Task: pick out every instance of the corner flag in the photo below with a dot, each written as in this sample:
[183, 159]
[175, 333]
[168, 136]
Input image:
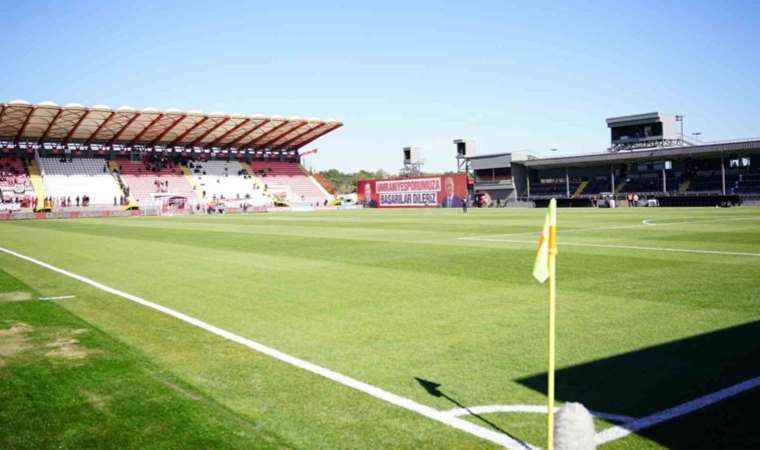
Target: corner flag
[547, 243]
[545, 268]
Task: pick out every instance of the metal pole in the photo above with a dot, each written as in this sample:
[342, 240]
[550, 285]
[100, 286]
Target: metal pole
[612, 180]
[722, 173]
[567, 183]
[552, 326]
[527, 185]
[664, 181]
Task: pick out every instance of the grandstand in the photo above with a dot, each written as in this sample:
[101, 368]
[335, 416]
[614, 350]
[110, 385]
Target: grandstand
[115, 156]
[79, 178]
[15, 184]
[226, 180]
[146, 182]
[670, 170]
[290, 177]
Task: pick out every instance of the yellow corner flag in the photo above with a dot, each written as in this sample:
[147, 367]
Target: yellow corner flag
[547, 243]
[546, 267]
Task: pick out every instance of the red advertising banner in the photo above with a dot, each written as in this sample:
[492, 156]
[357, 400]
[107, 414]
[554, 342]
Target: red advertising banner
[447, 191]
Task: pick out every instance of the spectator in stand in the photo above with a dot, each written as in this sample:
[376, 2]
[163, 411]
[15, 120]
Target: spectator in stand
[77, 200]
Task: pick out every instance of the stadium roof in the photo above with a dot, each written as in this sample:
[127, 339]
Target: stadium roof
[708, 150]
[73, 123]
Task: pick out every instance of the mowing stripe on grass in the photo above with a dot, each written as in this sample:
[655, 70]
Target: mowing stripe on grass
[616, 246]
[374, 391]
[620, 431]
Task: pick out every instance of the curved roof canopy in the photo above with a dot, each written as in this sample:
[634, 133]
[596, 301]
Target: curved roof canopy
[73, 123]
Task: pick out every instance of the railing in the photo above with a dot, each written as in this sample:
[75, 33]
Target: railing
[325, 183]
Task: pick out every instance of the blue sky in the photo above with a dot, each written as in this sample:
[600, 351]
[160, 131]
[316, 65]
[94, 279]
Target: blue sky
[510, 75]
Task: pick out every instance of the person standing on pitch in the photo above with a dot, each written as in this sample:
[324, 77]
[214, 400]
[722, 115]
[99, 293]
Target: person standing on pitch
[464, 203]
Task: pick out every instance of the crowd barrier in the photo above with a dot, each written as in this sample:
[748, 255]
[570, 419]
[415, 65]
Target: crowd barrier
[85, 213]
[661, 200]
[27, 215]
[701, 200]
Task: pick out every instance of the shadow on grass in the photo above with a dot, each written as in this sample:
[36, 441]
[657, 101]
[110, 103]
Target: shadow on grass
[432, 388]
[645, 381]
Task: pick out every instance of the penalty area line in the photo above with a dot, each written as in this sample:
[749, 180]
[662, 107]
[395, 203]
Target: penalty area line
[374, 391]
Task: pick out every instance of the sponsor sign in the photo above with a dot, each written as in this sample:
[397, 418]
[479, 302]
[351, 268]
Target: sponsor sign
[447, 191]
[9, 207]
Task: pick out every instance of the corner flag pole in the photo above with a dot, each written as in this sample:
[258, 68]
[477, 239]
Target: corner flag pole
[545, 267]
[552, 322]
[552, 312]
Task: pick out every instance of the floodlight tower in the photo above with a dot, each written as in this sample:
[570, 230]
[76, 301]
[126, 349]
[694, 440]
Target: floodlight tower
[413, 162]
[465, 149]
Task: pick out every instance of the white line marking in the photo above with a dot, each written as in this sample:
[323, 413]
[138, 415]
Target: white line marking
[688, 222]
[374, 391]
[623, 247]
[534, 409]
[623, 430]
[644, 223]
[60, 297]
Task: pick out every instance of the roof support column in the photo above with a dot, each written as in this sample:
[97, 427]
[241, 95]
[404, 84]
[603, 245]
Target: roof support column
[527, 181]
[567, 182]
[722, 173]
[612, 180]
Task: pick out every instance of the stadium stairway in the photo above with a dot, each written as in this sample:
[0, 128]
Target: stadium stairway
[316, 183]
[325, 183]
[254, 178]
[683, 187]
[292, 177]
[619, 187]
[113, 166]
[191, 181]
[580, 189]
[37, 183]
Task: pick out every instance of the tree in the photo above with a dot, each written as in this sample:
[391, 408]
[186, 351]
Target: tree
[345, 183]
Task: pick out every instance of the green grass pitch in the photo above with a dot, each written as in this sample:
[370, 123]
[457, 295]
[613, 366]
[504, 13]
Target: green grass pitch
[656, 307]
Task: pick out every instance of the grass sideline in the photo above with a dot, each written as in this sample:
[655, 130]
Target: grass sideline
[387, 296]
[66, 384]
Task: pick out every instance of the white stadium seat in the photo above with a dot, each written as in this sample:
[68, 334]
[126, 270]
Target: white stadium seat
[80, 177]
[223, 180]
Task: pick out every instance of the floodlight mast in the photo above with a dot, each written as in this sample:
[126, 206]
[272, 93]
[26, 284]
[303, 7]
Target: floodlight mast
[413, 162]
[465, 148]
